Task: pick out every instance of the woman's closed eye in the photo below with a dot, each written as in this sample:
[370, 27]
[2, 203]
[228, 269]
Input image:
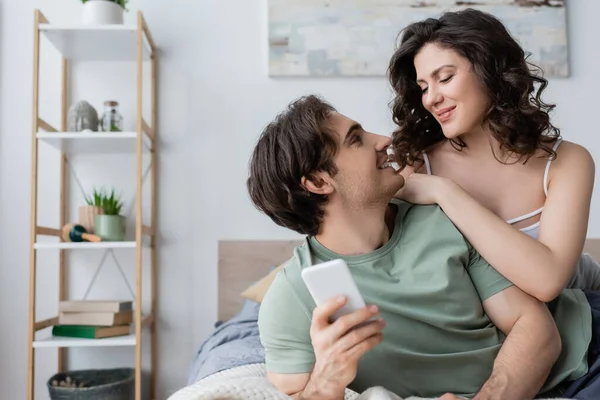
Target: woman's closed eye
[445, 80]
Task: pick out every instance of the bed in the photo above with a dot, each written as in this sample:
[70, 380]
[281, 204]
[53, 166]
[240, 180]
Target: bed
[229, 364]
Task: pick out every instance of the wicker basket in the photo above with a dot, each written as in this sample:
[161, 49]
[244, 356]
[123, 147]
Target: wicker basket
[98, 384]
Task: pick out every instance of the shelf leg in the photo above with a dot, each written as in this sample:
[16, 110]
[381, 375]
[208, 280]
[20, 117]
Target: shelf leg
[62, 284]
[33, 212]
[138, 215]
[153, 272]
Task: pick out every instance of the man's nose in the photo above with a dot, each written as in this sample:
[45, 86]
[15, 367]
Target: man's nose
[383, 142]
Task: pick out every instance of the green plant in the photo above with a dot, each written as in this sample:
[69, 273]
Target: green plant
[109, 202]
[122, 3]
[112, 205]
[95, 199]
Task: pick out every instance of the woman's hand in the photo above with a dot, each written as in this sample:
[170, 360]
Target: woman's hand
[423, 188]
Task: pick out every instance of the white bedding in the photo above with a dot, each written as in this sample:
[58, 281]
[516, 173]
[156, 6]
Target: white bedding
[249, 382]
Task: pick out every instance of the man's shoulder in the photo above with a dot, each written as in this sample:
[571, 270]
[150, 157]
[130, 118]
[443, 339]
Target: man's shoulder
[284, 322]
[420, 216]
[403, 207]
[287, 289]
[284, 279]
[429, 226]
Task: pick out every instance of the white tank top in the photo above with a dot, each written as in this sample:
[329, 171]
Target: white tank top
[532, 230]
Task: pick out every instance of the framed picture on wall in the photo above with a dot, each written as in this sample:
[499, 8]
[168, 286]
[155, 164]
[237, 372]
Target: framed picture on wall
[357, 37]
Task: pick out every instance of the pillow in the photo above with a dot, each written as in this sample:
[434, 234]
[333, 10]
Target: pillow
[257, 291]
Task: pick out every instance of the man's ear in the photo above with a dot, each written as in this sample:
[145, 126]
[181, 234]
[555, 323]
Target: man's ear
[318, 183]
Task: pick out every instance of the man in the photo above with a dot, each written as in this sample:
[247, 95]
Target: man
[448, 322]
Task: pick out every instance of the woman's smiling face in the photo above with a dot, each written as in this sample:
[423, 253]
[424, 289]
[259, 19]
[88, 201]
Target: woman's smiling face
[451, 91]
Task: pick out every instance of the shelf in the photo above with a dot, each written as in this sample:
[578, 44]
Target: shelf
[96, 43]
[85, 245]
[58, 341]
[94, 142]
[131, 44]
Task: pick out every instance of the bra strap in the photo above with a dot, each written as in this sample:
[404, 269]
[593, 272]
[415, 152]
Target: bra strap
[558, 142]
[526, 216]
[427, 164]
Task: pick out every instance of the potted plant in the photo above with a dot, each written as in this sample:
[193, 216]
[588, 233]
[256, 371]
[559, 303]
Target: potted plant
[101, 12]
[87, 213]
[110, 226]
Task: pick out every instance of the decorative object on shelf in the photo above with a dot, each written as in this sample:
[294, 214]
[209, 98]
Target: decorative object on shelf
[77, 233]
[94, 319]
[104, 305]
[103, 12]
[110, 226]
[114, 384]
[90, 331]
[112, 120]
[87, 213]
[82, 116]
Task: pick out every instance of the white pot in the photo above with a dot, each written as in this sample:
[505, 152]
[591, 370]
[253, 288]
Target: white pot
[101, 12]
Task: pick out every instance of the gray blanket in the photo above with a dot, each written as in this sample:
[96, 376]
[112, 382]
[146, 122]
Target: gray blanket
[232, 344]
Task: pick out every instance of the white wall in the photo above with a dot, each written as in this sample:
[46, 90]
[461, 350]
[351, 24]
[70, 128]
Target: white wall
[215, 96]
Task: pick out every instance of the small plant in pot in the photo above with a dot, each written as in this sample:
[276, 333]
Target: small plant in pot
[87, 213]
[102, 12]
[110, 226]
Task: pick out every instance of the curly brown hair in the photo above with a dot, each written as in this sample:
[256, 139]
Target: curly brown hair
[296, 144]
[517, 117]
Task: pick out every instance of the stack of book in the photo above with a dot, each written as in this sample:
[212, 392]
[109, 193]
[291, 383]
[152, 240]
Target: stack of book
[93, 319]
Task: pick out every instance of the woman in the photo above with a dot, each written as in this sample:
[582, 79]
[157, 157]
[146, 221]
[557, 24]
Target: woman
[473, 127]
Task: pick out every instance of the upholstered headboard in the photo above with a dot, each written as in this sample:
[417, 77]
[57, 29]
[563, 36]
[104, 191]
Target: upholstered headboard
[592, 246]
[243, 262]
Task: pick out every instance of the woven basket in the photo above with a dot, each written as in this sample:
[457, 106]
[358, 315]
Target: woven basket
[98, 384]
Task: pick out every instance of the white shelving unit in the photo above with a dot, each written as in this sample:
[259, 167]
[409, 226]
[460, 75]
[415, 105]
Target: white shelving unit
[85, 245]
[132, 43]
[56, 342]
[96, 43]
[94, 142]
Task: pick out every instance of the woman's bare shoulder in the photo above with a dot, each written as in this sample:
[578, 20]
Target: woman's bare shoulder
[573, 163]
[570, 155]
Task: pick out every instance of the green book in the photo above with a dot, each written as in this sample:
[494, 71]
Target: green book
[89, 331]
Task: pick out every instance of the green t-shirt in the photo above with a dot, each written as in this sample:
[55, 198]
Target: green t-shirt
[429, 284]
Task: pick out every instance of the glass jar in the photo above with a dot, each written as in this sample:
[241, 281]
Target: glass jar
[112, 120]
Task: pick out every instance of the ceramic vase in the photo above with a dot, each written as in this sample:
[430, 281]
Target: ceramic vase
[101, 12]
[111, 228]
[87, 217]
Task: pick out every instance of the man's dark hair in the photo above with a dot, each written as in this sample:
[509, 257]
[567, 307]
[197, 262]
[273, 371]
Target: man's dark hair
[298, 143]
[517, 116]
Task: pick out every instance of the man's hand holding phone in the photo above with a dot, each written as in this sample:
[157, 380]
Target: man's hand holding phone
[342, 330]
[339, 345]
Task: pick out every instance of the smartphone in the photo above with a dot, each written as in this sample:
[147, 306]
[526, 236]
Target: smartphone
[331, 279]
